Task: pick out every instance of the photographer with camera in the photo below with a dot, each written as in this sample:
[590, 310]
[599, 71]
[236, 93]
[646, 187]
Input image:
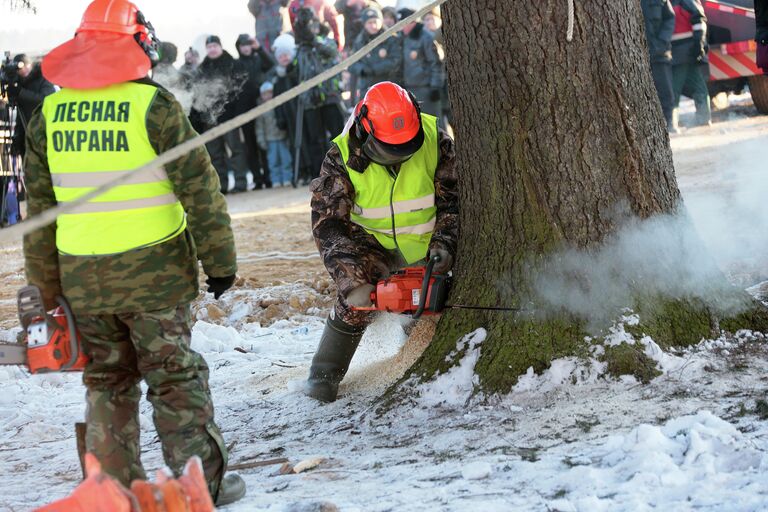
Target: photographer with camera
[25, 88]
[320, 110]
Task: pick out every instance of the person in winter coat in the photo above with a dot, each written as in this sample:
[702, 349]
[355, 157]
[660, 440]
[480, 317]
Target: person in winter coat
[270, 20]
[390, 16]
[352, 11]
[761, 36]
[659, 26]
[127, 261]
[219, 85]
[422, 72]
[325, 12]
[690, 69]
[165, 73]
[257, 63]
[285, 76]
[191, 63]
[387, 197]
[323, 110]
[273, 140]
[382, 64]
[27, 89]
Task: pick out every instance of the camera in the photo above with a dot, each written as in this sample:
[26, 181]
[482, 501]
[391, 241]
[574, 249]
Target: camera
[306, 26]
[9, 74]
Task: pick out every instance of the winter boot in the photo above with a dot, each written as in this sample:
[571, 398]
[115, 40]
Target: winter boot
[331, 362]
[231, 489]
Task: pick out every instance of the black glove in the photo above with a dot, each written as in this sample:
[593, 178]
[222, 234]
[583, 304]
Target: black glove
[444, 264]
[218, 285]
[434, 95]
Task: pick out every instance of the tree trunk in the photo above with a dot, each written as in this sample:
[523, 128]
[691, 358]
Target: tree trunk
[559, 146]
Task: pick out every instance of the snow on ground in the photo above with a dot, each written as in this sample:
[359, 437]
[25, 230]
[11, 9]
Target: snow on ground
[569, 439]
[692, 439]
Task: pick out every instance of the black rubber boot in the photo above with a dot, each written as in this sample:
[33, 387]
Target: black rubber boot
[331, 362]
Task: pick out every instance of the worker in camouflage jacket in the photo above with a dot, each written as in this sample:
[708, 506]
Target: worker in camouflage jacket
[127, 261]
[386, 198]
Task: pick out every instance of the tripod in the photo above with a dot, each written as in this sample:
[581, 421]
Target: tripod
[11, 180]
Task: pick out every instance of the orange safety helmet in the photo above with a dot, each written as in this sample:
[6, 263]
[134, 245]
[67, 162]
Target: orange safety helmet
[388, 124]
[113, 44]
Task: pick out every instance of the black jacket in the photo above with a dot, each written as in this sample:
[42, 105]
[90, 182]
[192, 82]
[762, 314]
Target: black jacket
[382, 64]
[761, 17]
[421, 62]
[218, 87]
[659, 25]
[34, 89]
[256, 65]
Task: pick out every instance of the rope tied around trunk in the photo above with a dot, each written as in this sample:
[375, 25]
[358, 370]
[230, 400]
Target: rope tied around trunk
[571, 20]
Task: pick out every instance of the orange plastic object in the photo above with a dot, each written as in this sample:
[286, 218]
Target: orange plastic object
[98, 493]
[195, 486]
[174, 498]
[401, 292]
[148, 495]
[57, 353]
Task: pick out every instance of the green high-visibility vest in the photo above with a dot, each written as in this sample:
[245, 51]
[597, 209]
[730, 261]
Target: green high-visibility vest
[398, 208]
[93, 136]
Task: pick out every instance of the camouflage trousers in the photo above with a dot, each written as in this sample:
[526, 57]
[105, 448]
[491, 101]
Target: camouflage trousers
[154, 346]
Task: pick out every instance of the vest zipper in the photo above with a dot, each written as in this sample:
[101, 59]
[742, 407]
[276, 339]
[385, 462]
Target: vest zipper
[392, 209]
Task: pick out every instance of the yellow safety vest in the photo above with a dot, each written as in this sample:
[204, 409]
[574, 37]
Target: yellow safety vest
[398, 209]
[94, 136]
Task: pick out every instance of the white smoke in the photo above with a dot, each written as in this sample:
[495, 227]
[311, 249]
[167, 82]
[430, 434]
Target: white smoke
[720, 240]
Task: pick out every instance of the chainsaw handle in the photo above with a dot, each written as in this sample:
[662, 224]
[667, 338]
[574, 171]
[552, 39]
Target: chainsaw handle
[74, 346]
[425, 286]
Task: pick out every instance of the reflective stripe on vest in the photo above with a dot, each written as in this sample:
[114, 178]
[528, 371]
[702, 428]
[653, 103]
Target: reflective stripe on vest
[400, 213]
[95, 136]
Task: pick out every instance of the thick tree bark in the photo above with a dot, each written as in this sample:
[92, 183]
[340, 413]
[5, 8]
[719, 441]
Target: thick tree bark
[558, 144]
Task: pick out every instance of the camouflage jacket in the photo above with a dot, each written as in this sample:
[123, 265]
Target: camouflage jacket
[352, 256]
[146, 279]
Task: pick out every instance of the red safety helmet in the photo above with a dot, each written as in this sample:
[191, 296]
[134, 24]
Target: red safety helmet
[388, 124]
[113, 44]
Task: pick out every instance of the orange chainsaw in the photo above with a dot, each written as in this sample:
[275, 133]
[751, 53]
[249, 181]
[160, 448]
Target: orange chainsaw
[415, 291]
[52, 342]
[419, 291]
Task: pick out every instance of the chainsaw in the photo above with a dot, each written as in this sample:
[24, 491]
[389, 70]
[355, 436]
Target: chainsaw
[414, 290]
[52, 343]
[418, 291]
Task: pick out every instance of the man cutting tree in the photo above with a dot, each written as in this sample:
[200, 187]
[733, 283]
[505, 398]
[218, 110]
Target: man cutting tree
[386, 197]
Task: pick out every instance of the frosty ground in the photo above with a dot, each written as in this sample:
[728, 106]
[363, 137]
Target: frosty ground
[695, 438]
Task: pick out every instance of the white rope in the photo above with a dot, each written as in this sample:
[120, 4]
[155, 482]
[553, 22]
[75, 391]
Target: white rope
[47, 217]
[571, 20]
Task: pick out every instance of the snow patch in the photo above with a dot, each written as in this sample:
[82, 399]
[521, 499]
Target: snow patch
[684, 464]
[454, 387]
[476, 471]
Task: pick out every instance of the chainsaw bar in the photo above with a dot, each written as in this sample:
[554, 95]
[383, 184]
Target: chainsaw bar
[13, 353]
[480, 308]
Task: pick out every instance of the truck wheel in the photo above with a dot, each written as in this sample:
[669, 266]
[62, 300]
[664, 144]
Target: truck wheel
[758, 87]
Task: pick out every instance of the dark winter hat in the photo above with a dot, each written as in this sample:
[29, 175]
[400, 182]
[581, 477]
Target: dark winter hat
[243, 40]
[168, 53]
[404, 13]
[389, 11]
[213, 39]
[371, 13]
[23, 60]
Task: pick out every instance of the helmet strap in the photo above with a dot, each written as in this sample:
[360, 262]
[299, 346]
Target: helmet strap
[148, 39]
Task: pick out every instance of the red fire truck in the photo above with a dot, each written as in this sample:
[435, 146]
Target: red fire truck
[732, 49]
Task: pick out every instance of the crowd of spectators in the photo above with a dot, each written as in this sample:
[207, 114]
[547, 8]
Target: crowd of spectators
[293, 41]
